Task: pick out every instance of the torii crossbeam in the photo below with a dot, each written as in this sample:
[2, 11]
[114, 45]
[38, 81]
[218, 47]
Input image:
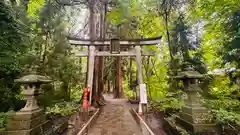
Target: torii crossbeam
[115, 46]
[125, 42]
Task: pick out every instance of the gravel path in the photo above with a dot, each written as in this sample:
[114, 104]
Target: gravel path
[115, 119]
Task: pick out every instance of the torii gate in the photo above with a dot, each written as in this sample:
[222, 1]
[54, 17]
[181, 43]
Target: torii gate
[115, 46]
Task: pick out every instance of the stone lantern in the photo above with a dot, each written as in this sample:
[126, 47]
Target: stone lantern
[29, 120]
[194, 117]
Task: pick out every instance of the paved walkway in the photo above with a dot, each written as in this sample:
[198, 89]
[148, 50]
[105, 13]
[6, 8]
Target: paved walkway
[115, 119]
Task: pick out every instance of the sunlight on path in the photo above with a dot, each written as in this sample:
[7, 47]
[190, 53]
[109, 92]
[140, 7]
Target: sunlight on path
[115, 119]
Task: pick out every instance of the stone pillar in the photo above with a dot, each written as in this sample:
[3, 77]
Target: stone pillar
[194, 117]
[30, 119]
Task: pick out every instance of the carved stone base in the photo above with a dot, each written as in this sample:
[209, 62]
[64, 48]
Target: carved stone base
[195, 119]
[196, 128]
[33, 131]
[26, 123]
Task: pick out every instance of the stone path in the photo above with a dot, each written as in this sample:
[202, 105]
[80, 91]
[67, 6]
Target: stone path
[115, 119]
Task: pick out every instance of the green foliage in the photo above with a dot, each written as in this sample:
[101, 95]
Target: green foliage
[226, 110]
[76, 93]
[33, 8]
[63, 109]
[231, 52]
[225, 103]
[221, 28]
[157, 81]
[128, 93]
[36, 40]
[52, 51]
[226, 117]
[179, 34]
[220, 49]
[225, 106]
[3, 118]
[14, 46]
[221, 87]
[169, 104]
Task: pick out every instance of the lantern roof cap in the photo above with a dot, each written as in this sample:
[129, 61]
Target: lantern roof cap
[33, 78]
[189, 75]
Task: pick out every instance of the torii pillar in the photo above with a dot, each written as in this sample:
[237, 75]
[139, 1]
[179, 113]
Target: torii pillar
[91, 59]
[143, 93]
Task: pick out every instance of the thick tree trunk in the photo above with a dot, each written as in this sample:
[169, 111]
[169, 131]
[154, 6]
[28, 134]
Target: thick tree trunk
[65, 88]
[148, 76]
[100, 78]
[130, 74]
[119, 92]
[166, 19]
[109, 86]
[95, 83]
[95, 80]
[80, 63]
[103, 24]
[101, 81]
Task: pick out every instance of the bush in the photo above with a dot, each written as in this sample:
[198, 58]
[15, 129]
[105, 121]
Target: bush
[128, 93]
[226, 117]
[225, 110]
[76, 93]
[225, 105]
[169, 104]
[63, 109]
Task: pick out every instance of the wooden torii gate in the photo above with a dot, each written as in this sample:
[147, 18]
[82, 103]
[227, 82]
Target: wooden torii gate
[115, 46]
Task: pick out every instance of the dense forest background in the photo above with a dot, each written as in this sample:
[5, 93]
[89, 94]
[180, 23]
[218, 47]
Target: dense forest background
[205, 33]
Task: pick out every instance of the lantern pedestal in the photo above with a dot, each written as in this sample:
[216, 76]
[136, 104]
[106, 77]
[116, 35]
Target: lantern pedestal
[26, 123]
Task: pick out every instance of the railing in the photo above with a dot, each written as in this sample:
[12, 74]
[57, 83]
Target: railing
[88, 125]
[141, 123]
